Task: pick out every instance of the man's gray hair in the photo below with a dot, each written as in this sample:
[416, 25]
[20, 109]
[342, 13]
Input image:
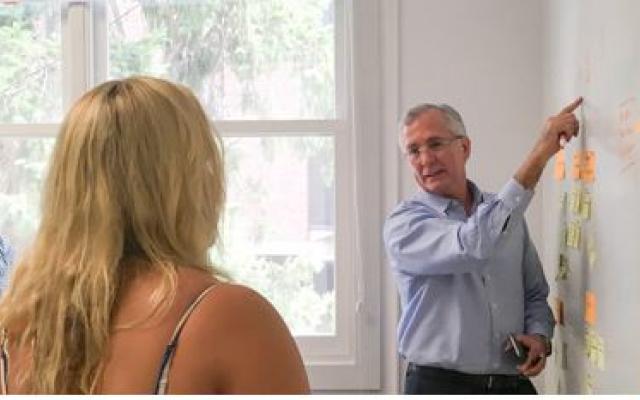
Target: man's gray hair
[451, 115]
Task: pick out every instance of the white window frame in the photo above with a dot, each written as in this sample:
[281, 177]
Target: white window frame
[350, 360]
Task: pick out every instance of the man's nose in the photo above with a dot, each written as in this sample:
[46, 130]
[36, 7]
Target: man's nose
[425, 156]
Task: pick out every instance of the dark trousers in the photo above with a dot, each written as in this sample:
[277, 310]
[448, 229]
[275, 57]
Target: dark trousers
[431, 380]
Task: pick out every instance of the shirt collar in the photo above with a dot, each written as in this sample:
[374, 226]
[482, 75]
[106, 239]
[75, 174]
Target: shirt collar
[442, 203]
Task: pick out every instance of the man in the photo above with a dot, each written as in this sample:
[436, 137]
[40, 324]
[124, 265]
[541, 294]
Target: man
[5, 262]
[467, 271]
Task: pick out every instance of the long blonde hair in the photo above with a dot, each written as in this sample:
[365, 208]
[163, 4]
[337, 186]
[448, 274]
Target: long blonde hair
[136, 173]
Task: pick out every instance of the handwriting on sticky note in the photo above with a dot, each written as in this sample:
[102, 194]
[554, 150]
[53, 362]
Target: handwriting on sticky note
[590, 308]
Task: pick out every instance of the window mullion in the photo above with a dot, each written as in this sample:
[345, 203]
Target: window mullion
[75, 51]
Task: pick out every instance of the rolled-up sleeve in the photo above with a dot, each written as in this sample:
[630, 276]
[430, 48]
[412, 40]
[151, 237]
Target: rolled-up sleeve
[421, 242]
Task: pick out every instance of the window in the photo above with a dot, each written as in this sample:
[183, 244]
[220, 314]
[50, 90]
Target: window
[274, 77]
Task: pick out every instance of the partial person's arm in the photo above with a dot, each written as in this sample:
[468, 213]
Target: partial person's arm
[252, 351]
[420, 243]
[562, 125]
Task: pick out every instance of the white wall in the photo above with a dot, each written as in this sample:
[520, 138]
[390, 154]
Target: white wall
[482, 57]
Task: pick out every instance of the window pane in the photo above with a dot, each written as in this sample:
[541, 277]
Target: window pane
[279, 227]
[23, 164]
[30, 54]
[258, 59]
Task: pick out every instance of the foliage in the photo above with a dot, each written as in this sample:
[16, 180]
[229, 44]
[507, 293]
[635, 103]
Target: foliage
[225, 50]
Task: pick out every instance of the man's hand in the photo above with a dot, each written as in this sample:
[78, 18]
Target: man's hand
[562, 126]
[536, 357]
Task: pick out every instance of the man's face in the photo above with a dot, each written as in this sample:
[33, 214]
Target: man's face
[437, 155]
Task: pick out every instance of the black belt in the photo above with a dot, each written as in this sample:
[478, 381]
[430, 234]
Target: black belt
[486, 381]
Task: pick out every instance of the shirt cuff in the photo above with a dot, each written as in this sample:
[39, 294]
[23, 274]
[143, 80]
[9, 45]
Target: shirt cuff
[515, 196]
[540, 329]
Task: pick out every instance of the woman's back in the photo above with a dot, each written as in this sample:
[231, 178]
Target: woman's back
[232, 342]
[137, 175]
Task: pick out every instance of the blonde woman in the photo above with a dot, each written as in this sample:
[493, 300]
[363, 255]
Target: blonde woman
[116, 294]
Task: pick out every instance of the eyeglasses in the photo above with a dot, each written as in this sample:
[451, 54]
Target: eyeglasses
[434, 145]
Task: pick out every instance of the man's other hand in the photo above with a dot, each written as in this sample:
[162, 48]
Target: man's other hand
[536, 357]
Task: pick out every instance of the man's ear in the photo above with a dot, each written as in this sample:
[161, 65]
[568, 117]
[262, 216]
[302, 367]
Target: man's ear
[466, 147]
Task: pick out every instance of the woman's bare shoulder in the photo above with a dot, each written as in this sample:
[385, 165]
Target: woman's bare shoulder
[242, 336]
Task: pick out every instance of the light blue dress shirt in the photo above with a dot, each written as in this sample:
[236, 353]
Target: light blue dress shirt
[465, 283]
[6, 258]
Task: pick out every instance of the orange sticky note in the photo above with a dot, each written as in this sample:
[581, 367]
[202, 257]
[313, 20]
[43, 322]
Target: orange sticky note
[636, 127]
[588, 167]
[576, 165]
[590, 308]
[559, 311]
[559, 167]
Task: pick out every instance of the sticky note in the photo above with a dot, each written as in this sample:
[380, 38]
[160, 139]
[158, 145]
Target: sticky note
[574, 201]
[636, 127]
[589, 384]
[583, 166]
[559, 172]
[563, 268]
[594, 348]
[590, 308]
[576, 165]
[563, 200]
[573, 233]
[565, 356]
[559, 311]
[588, 168]
[585, 205]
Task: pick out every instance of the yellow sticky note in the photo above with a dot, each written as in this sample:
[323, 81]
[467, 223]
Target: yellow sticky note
[563, 268]
[574, 201]
[589, 384]
[590, 308]
[568, 235]
[559, 173]
[573, 234]
[585, 205]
